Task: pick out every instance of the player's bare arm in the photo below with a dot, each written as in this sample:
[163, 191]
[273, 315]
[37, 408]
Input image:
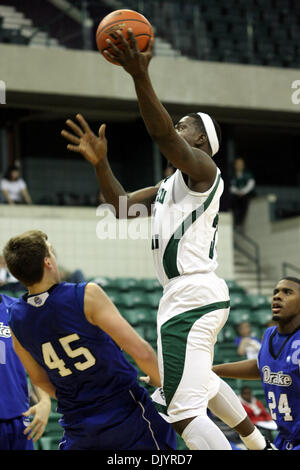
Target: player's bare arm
[36, 373]
[190, 160]
[247, 370]
[94, 149]
[100, 311]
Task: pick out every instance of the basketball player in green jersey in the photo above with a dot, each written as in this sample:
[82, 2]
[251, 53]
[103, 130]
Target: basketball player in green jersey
[195, 302]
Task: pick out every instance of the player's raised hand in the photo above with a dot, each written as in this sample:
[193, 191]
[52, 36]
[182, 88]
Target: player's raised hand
[130, 57]
[84, 141]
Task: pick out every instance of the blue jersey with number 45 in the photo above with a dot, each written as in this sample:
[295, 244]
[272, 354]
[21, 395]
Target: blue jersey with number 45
[279, 365]
[85, 365]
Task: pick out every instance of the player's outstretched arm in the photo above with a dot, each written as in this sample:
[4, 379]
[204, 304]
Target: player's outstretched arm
[191, 161]
[247, 370]
[100, 311]
[36, 373]
[94, 150]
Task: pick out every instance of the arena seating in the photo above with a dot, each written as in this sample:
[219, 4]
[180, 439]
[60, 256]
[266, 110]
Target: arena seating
[17, 27]
[261, 32]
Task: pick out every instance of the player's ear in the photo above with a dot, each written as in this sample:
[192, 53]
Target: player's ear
[201, 139]
[47, 262]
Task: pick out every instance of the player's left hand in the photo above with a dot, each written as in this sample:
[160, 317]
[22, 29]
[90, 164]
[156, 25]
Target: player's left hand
[130, 57]
[36, 428]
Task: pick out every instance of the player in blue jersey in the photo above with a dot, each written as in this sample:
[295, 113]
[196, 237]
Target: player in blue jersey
[69, 338]
[16, 430]
[278, 364]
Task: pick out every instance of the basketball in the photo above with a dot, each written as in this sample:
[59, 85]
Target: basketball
[122, 20]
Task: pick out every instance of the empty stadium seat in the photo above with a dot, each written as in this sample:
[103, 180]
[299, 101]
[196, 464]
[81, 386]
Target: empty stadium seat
[228, 333]
[7, 292]
[258, 301]
[229, 352]
[125, 284]
[230, 20]
[49, 443]
[239, 315]
[262, 316]
[19, 293]
[53, 427]
[149, 285]
[234, 287]
[153, 298]
[133, 298]
[239, 300]
[114, 295]
[150, 335]
[103, 281]
[256, 330]
[140, 316]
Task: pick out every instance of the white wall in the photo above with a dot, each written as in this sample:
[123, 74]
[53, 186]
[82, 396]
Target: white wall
[73, 233]
[279, 241]
[86, 74]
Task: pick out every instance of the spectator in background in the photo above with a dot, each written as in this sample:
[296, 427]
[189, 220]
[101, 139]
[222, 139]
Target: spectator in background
[242, 185]
[71, 276]
[14, 188]
[247, 345]
[256, 410]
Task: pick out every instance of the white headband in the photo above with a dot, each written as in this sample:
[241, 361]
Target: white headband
[211, 132]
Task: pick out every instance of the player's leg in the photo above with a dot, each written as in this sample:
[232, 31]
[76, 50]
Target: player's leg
[227, 406]
[185, 352]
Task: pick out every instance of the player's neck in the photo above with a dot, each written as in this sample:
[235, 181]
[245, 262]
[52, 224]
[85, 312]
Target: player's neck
[289, 327]
[42, 286]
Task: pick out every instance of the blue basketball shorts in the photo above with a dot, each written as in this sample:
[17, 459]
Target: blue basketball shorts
[134, 425]
[12, 434]
[282, 444]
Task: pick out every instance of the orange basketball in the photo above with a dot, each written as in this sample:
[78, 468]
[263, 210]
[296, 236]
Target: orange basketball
[122, 20]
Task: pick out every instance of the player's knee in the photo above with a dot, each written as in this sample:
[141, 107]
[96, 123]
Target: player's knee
[245, 428]
[179, 426]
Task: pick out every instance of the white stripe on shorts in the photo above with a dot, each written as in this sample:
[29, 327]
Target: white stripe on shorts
[143, 415]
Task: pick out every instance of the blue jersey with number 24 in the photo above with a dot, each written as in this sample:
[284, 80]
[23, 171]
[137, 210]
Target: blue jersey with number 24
[279, 365]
